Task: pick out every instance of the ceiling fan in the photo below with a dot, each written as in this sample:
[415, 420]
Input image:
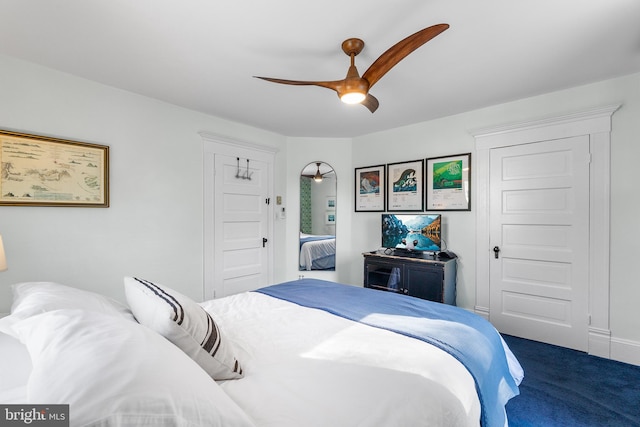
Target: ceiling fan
[354, 89]
[318, 176]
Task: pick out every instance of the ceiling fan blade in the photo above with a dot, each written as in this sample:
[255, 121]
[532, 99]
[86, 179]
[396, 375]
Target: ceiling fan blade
[335, 84]
[371, 102]
[399, 51]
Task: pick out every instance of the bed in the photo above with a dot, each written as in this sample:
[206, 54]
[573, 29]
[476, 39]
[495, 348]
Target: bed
[317, 252]
[302, 353]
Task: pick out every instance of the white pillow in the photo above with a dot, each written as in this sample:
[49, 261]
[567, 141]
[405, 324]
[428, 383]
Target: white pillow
[114, 372]
[183, 322]
[31, 298]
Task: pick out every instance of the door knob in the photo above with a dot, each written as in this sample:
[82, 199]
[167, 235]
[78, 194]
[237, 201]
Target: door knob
[496, 250]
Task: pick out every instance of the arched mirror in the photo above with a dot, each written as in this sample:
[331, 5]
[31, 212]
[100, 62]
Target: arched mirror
[318, 190]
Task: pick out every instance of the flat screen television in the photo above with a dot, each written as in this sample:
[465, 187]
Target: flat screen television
[408, 233]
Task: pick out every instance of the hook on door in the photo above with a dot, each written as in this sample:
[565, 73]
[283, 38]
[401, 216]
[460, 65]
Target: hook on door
[243, 175]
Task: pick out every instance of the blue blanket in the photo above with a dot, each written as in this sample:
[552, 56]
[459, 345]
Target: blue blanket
[467, 337]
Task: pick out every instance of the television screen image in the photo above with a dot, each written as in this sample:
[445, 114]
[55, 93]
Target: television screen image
[419, 232]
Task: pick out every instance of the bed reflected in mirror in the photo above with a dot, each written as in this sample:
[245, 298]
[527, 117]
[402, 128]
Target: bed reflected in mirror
[318, 189]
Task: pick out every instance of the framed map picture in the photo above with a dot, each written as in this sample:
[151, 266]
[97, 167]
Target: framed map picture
[405, 186]
[45, 171]
[448, 185]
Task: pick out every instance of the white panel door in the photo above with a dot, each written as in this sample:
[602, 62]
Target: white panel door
[539, 227]
[241, 221]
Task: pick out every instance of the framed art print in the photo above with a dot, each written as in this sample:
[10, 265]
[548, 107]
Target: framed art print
[331, 203]
[45, 171]
[405, 186]
[448, 184]
[330, 218]
[369, 190]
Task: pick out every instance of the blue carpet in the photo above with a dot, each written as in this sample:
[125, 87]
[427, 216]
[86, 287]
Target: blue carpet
[564, 387]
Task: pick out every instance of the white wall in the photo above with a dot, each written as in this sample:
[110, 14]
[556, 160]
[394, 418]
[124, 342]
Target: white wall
[450, 135]
[154, 227]
[319, 194]
[337, 153]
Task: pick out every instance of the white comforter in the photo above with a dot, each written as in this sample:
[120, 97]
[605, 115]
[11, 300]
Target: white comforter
[328, 371]
[316, 249]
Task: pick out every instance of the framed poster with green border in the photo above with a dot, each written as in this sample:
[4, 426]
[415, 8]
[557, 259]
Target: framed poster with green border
[448, 183]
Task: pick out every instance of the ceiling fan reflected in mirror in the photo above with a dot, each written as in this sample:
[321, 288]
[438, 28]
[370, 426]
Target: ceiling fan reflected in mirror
[317, 176]
[354, 89]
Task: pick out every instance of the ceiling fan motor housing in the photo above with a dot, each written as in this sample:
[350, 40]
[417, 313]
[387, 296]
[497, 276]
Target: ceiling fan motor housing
[353, 83]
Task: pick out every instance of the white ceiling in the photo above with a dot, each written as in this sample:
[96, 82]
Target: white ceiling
[202, 54]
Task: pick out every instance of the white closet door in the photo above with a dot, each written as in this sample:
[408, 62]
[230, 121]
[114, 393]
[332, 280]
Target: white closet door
[539, 223]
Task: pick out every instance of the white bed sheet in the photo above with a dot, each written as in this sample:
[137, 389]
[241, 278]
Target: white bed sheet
[316, 249]
[15, 367]
[306, 367]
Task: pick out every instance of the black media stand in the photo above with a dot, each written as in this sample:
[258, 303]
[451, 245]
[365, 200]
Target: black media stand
[407, 253]
[418, 275]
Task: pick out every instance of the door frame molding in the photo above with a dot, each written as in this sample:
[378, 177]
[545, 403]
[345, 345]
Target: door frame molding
[595, 123]
[213, 144]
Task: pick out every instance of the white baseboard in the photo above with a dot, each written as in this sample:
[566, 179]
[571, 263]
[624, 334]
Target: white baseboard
[626, 351]
[482, 312]
[599, 342]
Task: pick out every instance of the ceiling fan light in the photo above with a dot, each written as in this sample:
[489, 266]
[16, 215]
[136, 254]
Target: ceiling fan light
[318, 176]
[353, 97]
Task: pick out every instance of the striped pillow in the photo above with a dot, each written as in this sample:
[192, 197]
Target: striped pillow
[183, 322]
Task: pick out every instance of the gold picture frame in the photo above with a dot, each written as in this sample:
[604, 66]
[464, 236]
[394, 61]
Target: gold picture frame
[45, 171]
